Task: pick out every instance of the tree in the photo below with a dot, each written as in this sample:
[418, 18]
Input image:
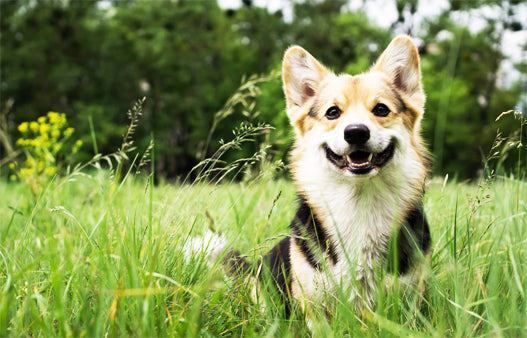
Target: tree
[188, 57]
[461, 70]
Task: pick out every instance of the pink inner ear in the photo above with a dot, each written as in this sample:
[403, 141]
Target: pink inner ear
[301, 74]
[399, 82]
[308, 91]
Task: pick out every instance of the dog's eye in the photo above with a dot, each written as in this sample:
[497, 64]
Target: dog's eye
[380, 110]
[333, 113]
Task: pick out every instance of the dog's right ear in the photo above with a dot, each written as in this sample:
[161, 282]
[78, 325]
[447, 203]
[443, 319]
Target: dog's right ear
[400, 62]
[301, 74]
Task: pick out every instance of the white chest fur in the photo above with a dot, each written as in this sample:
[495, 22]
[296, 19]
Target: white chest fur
[357, 214]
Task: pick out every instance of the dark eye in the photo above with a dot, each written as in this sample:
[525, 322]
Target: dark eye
[380, 110]
[333, 113]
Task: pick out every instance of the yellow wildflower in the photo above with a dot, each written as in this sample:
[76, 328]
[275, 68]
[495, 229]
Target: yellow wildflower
[53, 117]
[42, 140]
[23, 127]
[57, 119]
[34, 126]
[26, 171]
[50, 171]
[68, 131]
[44, 128]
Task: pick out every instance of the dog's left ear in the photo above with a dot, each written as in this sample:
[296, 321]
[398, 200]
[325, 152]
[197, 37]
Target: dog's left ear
[301, 74]
[400, 62]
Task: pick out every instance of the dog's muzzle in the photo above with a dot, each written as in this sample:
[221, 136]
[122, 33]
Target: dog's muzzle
[361, 160]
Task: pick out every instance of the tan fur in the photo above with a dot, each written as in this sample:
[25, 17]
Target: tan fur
[311, 89]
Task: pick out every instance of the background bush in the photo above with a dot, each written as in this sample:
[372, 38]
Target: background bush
[95, 58]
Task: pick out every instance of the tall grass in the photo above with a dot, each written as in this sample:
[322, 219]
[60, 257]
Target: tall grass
[79, 262]
[101, 253]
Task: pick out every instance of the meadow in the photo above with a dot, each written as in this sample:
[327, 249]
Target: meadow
[93, 255]
[92, 247]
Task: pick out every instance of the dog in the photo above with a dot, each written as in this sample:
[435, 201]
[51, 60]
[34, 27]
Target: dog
[359, 164]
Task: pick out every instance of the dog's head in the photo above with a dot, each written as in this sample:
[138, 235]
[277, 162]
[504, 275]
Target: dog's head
[356, 125]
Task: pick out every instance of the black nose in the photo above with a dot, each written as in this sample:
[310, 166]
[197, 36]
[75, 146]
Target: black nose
[356, 134]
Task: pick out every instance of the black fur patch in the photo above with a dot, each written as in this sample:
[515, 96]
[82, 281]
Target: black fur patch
[236, 263]
[414, 235]
[276, 269]
[311, 237]
[278, 263]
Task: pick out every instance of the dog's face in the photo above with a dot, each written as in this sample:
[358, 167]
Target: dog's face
[356, 125]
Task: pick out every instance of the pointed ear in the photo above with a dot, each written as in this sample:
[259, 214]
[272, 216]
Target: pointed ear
[400, 62]
[301, 74]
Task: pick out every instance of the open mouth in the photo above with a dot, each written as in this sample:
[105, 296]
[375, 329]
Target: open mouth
[361, 161]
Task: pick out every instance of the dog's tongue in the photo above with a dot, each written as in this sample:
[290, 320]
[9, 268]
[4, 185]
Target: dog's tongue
[359, 159]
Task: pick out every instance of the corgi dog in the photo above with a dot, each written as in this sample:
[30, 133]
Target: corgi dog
[359, 165]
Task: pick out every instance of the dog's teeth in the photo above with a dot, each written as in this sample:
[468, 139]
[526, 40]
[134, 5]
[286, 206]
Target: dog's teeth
[370, 157]
[348, 158]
